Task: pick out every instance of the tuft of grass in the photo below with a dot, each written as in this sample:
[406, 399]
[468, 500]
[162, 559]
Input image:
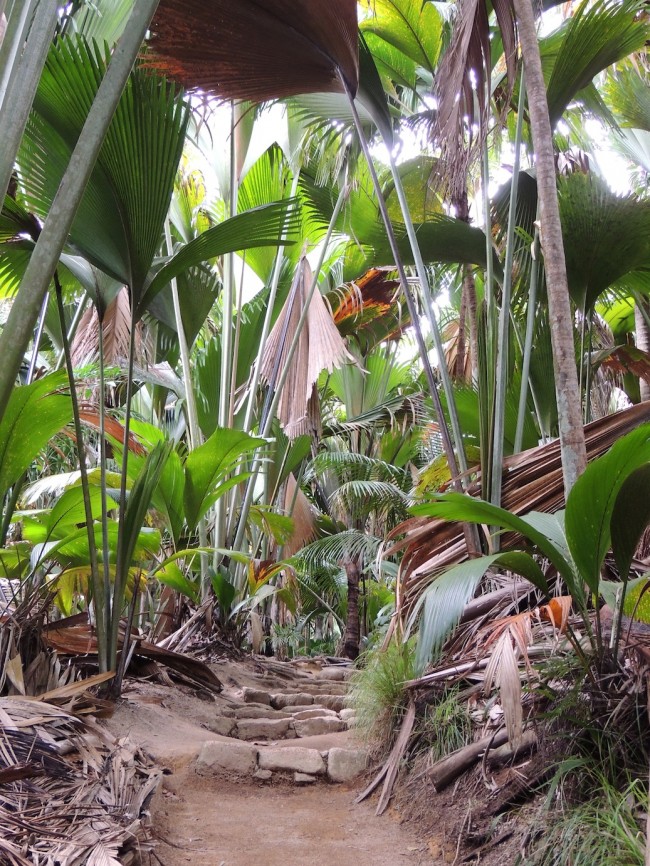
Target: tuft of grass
[377, 692]
[606, 830]
[446, 725]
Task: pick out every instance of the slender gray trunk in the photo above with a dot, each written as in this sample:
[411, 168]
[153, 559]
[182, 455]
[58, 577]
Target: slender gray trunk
[572, 438]
[642, 331]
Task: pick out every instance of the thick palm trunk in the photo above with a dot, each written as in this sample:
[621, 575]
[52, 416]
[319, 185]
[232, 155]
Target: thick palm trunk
[352, 631]
[572, 439]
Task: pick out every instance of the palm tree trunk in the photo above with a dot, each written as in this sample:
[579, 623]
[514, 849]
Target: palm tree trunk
[642, 330]
[352, 630]
[572, 439]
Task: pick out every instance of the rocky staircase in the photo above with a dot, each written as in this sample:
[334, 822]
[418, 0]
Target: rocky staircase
[291, 723]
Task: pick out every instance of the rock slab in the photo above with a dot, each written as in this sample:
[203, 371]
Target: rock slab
[292, 758]
[344, 765]
[231, 757]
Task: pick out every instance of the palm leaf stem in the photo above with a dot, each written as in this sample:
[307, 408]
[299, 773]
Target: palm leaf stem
[72, 330]
[528, 349]
[470, 532]
[226, 395]
[425, 290]
[487, 354]
[102, 468]
[190, 402]
[14, 37]
[38, 334]
[96, 583]
[588, 376]
[121, 565]
[503, 340]
[24, 311]
[21, 73]
[275, 389]
[275, 281]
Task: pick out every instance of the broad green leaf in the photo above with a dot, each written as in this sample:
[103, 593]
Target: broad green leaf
[173, 577]
[263, 226]
[207, 466]
[630, 516]
[636, 603]
[72, 550]
[411, 26]
[458, 506]
[591, 502]
[34, 415]
[14, 561]
[225, 592]
[69, 512]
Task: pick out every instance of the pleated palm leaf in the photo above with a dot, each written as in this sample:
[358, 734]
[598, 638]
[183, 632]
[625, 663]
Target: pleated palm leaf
[606, 236]
[259, 49]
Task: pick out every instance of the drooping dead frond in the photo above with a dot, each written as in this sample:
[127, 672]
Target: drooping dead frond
[462, 84]
[116, 333]
[257, 49]
[320, 347]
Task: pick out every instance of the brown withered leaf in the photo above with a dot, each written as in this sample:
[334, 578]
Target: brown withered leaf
[257, 49]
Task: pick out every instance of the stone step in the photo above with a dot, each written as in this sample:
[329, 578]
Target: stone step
[262, 763]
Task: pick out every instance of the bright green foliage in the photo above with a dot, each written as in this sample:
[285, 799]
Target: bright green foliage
[34, 415]
[207, 467]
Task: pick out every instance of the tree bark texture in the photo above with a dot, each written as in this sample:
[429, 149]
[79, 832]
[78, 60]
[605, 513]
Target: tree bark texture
[572, 439]
[642, 341]
[352, 631]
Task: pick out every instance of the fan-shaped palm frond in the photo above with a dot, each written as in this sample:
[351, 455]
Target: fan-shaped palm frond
[597, 36]
[119, 222]
[605, 235]
[331, 550]
[353, 466]
[359, 497]
[258, 49]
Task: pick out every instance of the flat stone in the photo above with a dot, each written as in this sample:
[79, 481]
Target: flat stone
[303, 779]
[222, 726]
[335, 672]
[344, 765]
[347, 713]
[263, 775]
[232, 757]
[282, 700]
[251, 711]
[332, 702]
[256, 696]
[294, 758]
[313, 713]
[262, 729]
[320, 725]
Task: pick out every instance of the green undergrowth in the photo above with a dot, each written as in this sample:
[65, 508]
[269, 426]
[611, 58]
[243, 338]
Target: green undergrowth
[445, 725]
[377, 692]
[607, 829]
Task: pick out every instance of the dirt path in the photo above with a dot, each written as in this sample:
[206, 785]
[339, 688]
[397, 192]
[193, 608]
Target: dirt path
[221, 820]
[213, 822]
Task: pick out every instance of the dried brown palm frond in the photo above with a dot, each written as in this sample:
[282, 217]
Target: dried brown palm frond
[302, 514]
[320, 347]
[532, 481]
[463, 82]
[369, 307]
[89, 797]
[257, 49]
[116, 331]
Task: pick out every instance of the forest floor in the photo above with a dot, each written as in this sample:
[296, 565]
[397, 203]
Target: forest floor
[222, 819]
